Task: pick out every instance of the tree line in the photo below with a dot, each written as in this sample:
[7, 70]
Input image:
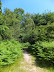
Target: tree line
[26, 27]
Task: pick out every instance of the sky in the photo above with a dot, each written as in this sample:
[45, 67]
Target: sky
[30, 6]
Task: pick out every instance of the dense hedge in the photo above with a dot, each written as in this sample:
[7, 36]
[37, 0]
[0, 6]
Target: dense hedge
[9, 51]
[43, 50]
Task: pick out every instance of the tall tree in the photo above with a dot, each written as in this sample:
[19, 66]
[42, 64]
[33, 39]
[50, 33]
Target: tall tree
[19, 12]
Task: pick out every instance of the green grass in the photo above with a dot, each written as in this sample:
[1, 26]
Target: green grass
[13, 67]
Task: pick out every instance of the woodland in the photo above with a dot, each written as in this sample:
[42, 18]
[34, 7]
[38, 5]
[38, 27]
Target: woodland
[19, 30]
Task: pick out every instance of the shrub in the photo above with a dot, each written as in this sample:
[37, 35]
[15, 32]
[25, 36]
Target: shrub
[9, 51]
[43, 50]
[26, 44]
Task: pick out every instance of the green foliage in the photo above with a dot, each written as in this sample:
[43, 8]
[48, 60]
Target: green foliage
[26, 44]
[4, 29]
[9, 51]
[19, 13]
[26, 27]
[43, 50]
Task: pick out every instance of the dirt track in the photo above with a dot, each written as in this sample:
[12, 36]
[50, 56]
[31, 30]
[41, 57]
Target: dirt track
[29, 63]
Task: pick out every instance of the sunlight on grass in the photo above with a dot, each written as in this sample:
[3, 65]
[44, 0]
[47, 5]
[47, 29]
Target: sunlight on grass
[13, 67]
[21, 66]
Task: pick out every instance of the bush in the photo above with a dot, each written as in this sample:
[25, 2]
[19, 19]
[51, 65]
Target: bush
[26, 44]
[9, 51]
[43, 50]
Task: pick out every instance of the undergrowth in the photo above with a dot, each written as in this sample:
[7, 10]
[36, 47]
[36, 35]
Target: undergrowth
[43, 50]
[44, 54]
[9, 52]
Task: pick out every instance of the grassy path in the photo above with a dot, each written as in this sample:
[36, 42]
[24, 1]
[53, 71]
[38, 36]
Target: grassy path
[29, 64]
[26, 64]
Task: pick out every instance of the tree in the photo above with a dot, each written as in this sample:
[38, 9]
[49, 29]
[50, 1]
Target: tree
[27, 30]
[19, 12]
